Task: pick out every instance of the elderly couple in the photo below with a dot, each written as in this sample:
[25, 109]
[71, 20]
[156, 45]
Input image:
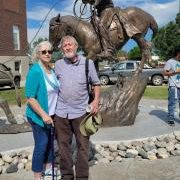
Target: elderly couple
[59, 98]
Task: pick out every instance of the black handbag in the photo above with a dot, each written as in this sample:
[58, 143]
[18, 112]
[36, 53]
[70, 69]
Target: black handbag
[89, 84]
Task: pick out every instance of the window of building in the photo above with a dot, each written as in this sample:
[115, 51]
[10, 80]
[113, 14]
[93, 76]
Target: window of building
[16, 38]
[17, 65]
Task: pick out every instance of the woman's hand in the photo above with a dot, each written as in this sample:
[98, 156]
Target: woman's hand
[47, 119]
[37, 108]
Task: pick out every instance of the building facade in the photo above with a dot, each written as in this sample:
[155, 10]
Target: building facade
[13, 35]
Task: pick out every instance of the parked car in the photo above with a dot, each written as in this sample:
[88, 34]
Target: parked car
[107, 66]
[127, 68]
[6, 74]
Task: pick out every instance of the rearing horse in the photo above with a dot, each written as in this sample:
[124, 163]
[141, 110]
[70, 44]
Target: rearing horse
[85, 34]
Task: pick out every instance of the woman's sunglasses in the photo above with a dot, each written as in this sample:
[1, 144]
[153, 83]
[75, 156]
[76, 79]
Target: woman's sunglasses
[45, 52]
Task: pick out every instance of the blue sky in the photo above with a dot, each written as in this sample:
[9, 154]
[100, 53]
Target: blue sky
[162, 10]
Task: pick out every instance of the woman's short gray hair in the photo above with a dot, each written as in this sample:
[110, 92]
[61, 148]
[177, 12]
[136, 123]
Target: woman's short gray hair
[67, 38]
[38, 47]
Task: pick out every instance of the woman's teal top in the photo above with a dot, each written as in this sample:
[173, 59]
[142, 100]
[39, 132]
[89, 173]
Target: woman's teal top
[36, 88]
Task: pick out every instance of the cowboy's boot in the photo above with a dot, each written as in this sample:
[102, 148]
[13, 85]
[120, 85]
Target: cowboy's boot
[106, 43]
[107, 50]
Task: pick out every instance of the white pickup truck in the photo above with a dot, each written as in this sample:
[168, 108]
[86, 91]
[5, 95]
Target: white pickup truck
[127, 68]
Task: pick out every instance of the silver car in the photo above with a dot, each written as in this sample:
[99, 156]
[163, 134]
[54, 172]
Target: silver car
[6, 77]
[127, 68]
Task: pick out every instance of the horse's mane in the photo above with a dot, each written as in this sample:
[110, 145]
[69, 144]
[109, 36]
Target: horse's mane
[69, 19]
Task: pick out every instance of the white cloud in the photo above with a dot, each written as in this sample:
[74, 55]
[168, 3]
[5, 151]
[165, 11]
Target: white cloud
[44, 32]
[39, 13]
[163, 13]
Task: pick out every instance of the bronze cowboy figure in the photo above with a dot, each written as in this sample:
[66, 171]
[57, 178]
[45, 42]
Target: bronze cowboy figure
[105, 17]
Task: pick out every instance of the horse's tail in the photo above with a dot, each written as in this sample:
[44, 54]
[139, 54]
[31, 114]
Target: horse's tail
[153, 26]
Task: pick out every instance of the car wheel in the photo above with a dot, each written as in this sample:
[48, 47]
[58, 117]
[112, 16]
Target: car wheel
[104, 80]
[157, 80]
[17, 82]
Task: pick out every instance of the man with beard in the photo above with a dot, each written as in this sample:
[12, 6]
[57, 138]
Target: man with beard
[71, 107]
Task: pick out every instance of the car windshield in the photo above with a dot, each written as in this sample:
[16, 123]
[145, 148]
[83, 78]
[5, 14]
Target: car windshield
[146, 66]
[119, 66]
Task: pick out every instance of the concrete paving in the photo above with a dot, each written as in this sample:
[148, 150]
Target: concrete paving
[150, 121]
[161, 169]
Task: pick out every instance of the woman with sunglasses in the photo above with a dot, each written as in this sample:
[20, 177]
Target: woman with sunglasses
[41, 93]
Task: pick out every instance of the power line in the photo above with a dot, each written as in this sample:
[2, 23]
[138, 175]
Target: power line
[43, 21]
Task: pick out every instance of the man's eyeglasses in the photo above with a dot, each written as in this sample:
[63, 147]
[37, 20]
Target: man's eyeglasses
[45, 52]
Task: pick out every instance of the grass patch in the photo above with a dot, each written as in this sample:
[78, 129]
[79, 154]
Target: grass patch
[10, 95]
[151, 92]
[156, 92]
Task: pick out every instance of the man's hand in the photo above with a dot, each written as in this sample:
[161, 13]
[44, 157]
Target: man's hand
[95, 103]
[94, 106]
[170, 72]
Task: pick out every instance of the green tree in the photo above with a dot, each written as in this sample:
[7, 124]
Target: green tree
[40, 39]
[135, 53]
[120, 54]
[167, 38]
[56, 55]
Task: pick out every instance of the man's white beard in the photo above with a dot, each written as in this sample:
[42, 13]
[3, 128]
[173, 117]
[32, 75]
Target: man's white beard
[70, 55]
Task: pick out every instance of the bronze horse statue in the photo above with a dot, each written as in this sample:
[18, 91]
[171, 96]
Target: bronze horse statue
[85, 34]
[119, 103]
[12, 127]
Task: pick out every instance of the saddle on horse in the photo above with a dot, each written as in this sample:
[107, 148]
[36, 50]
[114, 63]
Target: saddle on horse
[113, 19]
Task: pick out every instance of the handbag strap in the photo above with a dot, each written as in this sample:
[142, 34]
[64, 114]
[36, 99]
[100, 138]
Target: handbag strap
[53, 85]
[87, 72]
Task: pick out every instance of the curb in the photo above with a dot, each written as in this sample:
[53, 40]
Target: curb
[150, 148]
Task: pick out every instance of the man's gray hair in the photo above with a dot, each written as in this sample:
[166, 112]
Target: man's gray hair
[38, 47]
[67, 38]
